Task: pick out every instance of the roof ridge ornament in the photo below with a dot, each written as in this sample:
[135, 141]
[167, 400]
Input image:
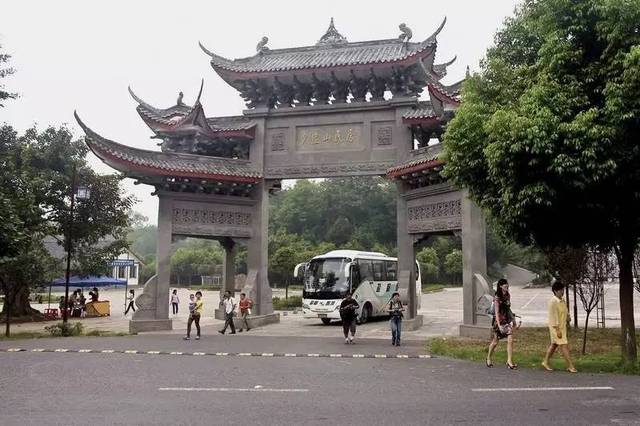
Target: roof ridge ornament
[262, 45]
[405, 32]
[332, 36]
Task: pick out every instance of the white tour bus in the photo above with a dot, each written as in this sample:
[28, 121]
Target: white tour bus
[371, 277]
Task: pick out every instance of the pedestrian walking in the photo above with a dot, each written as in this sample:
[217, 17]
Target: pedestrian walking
[195, 311]
[395, 309]
[503, 323]
[175, 301]
[557, 321]
[83, 304]
[244, 305]
[228, 305]
[130, 299]
[348, 309]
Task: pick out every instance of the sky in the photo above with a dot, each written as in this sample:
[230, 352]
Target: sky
[81, 55]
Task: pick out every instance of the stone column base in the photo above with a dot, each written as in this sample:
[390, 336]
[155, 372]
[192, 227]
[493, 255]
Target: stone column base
[475, 331]
[137, 326]
[412, 324]
[254, 320]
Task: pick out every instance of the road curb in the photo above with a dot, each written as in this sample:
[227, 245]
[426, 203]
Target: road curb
[221, 354]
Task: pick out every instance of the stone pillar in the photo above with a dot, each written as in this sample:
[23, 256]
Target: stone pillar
[474, 261]
[229, 267]
[153, 303]
[257, 286]
[406, 264]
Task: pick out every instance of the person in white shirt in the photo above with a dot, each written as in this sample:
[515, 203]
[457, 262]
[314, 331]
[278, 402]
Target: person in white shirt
[175, 301]
[229, 305]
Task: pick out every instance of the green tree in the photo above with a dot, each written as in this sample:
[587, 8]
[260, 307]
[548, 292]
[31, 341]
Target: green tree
[546, 136]
[429, 264]
[453, 265]
[36, 182]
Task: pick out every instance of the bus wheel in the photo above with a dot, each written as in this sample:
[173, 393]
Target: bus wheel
[365, 314]
[326, 321]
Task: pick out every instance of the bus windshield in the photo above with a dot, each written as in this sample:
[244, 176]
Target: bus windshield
[326, 278]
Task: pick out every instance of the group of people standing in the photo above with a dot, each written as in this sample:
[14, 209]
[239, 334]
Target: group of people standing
[504, 325]
[227, 304]
[348, 315]
[77, 304]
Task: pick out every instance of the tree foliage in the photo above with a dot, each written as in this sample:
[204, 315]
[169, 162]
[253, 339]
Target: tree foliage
[35, 186]
[5, 71]
[546, 136]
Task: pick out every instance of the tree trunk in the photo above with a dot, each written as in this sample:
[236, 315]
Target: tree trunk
[8, 305]
[584, 335]
[20, 306]
[625, 265]
[575, 306]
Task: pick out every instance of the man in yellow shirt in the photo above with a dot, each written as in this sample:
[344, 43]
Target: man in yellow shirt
[557, 320]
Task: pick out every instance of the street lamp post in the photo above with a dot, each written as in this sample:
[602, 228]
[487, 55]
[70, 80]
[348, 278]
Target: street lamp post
[82, 194]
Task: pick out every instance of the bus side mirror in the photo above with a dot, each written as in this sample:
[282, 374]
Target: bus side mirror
[298, 271]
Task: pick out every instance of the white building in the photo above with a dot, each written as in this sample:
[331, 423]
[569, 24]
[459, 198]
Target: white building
[127, 267]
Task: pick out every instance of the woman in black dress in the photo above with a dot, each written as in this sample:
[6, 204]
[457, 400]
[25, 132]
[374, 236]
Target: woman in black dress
[504, 322]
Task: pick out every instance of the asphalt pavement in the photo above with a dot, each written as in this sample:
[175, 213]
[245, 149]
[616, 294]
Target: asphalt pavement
[136, 380]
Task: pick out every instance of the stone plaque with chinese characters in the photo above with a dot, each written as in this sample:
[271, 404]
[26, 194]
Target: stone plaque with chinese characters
[384, 135]
[278, 140]
[345, 137]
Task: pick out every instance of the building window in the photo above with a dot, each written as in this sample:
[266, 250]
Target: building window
[133, 271]
[122, 272]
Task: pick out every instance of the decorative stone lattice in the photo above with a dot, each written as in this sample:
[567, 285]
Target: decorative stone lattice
[434, 217]
[278, 142]
[384, 135]
[210, 217]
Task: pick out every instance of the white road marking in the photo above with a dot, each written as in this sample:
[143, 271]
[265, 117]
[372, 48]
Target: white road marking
[176, 353]
[293, 355]
[199, 353]
[85, 351]
[380, 356]
[107, 351]
[222, 353]
[530, 300]
[424, 356]
[14, 350]
[267, 354]
[232, 390]
[61, 350]
[153, 352]
[37, 350]
[543, 389]
[402, 356]
[313, 355]
[130, 351]
[357, 356]
[335, 355]
[244, 354]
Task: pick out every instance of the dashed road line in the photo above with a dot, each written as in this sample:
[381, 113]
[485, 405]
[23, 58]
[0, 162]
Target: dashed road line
[233, 390]
[222, 354]
[544, 389]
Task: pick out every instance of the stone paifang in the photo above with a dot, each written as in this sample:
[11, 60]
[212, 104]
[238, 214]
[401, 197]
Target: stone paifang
[211, 154]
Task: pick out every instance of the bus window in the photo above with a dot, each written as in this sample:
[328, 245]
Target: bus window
[388, 287]
[378, 270]
[391, 270]
[366, 274]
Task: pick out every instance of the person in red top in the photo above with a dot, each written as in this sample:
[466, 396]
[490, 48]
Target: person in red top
[245, 309]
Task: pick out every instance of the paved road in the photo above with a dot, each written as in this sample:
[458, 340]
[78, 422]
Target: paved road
[78, 388]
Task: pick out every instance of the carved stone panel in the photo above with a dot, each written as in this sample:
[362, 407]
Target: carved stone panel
[199, 220]
[277, 139]
[383, 134]
[330, 138]
[437, 216]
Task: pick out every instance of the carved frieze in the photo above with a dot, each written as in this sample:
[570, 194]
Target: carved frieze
[200, 221]
[313, 170]
[435, 217]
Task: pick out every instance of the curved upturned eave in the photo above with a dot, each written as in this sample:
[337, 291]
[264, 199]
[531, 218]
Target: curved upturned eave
[103, 148]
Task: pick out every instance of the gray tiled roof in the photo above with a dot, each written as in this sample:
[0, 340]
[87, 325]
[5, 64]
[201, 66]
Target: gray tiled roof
[237, 122]
[372, 52]
[327, 55]
[420, 159]
[423, 110]
[138, 162]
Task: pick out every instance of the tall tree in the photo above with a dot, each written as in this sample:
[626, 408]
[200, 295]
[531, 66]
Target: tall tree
[36, 181]
[546, 136]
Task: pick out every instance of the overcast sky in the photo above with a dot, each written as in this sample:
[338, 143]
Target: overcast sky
[83, 54]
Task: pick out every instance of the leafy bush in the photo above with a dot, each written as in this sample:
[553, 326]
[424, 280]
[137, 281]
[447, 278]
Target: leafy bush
[65, 329]
[287, 304]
